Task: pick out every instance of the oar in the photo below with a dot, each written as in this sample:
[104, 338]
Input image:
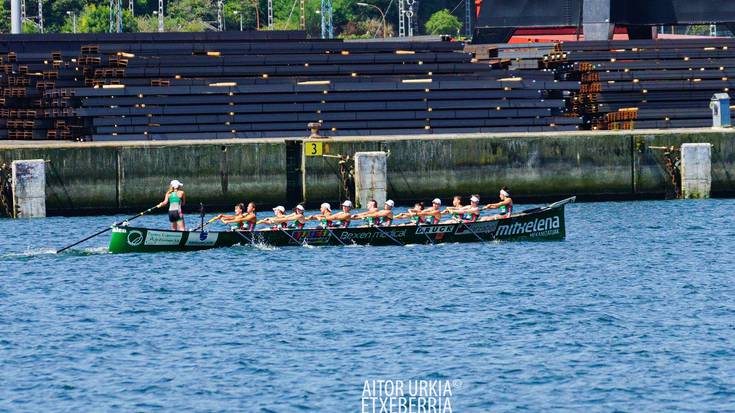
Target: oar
[386, 234]
[473, 232]
[138, 215]
[418, 225]
[290, 236]
[201, 214]
[205, 224]
[250, 239]
[331, 234]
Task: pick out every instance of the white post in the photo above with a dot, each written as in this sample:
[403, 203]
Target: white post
[29, 188]
[371, 177]
[16, 25]
[696, 170]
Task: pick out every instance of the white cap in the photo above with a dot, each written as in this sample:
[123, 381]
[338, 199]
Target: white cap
[504, 192]
[300, 207]
[347, 204]
[279, 208]
[326, 206]
[474, 199]
[390, 203]
[176, 184]
[437, 201]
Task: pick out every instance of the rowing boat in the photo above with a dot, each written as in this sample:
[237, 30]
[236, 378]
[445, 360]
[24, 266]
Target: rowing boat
[537, 224]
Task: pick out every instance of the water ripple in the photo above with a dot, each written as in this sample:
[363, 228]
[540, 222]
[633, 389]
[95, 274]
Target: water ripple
[627, 314]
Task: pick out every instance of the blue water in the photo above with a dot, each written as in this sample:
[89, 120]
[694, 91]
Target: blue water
[635, 311]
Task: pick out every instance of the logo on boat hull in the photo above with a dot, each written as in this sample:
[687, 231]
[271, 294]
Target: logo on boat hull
[372, 234]
[434, 230]
[537, 227]
[311, 237]
[163, 238]
[135, 238]
[205, 239]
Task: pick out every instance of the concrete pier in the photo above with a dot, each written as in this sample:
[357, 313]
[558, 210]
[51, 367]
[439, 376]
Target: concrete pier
[371, 176]
[696, 170]
[29, 188]
[105, 177]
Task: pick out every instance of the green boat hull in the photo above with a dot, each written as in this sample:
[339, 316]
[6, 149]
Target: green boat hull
[538, 224]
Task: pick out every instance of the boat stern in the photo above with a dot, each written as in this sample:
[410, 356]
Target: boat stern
[124, 239]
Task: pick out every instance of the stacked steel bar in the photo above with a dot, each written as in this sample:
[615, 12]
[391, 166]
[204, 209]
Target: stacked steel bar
[255, 84]
[646, 83]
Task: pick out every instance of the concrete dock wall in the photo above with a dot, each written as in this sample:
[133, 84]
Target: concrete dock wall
[106, 177]
[89, 178]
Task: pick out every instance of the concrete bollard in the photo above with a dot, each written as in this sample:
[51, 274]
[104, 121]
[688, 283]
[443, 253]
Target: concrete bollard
[720, 105]
[371, 177]
[696, 170]
[29, 188]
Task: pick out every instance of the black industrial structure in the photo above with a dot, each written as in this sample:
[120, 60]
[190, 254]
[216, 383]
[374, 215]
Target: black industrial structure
[498, 19]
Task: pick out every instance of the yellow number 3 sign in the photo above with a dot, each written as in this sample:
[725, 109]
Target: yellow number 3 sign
[313, 149]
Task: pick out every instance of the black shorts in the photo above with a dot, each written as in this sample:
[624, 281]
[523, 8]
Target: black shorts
[175, 216]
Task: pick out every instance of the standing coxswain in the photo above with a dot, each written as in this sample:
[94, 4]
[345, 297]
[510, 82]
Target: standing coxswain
[175, 199]
[383, 217]
[504, 207]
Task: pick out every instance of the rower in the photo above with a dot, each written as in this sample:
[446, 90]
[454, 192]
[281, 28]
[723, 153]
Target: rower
[455, 210]
[384, 217]
[372, 207]
[176, 199]
[324, 217]
[504, 207]
[472, 211]
[243, 219]
[330, 220]
[413, 214]
[250, 218]
[295, 220]
[342, 219]
[233, 221]
[278, 212]
[432, 214]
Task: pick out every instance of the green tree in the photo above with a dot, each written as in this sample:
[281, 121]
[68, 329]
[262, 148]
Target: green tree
[30, 27]
[55, 16]
[96, 19]
[443, 22]
[4, 17]
[234, 9]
